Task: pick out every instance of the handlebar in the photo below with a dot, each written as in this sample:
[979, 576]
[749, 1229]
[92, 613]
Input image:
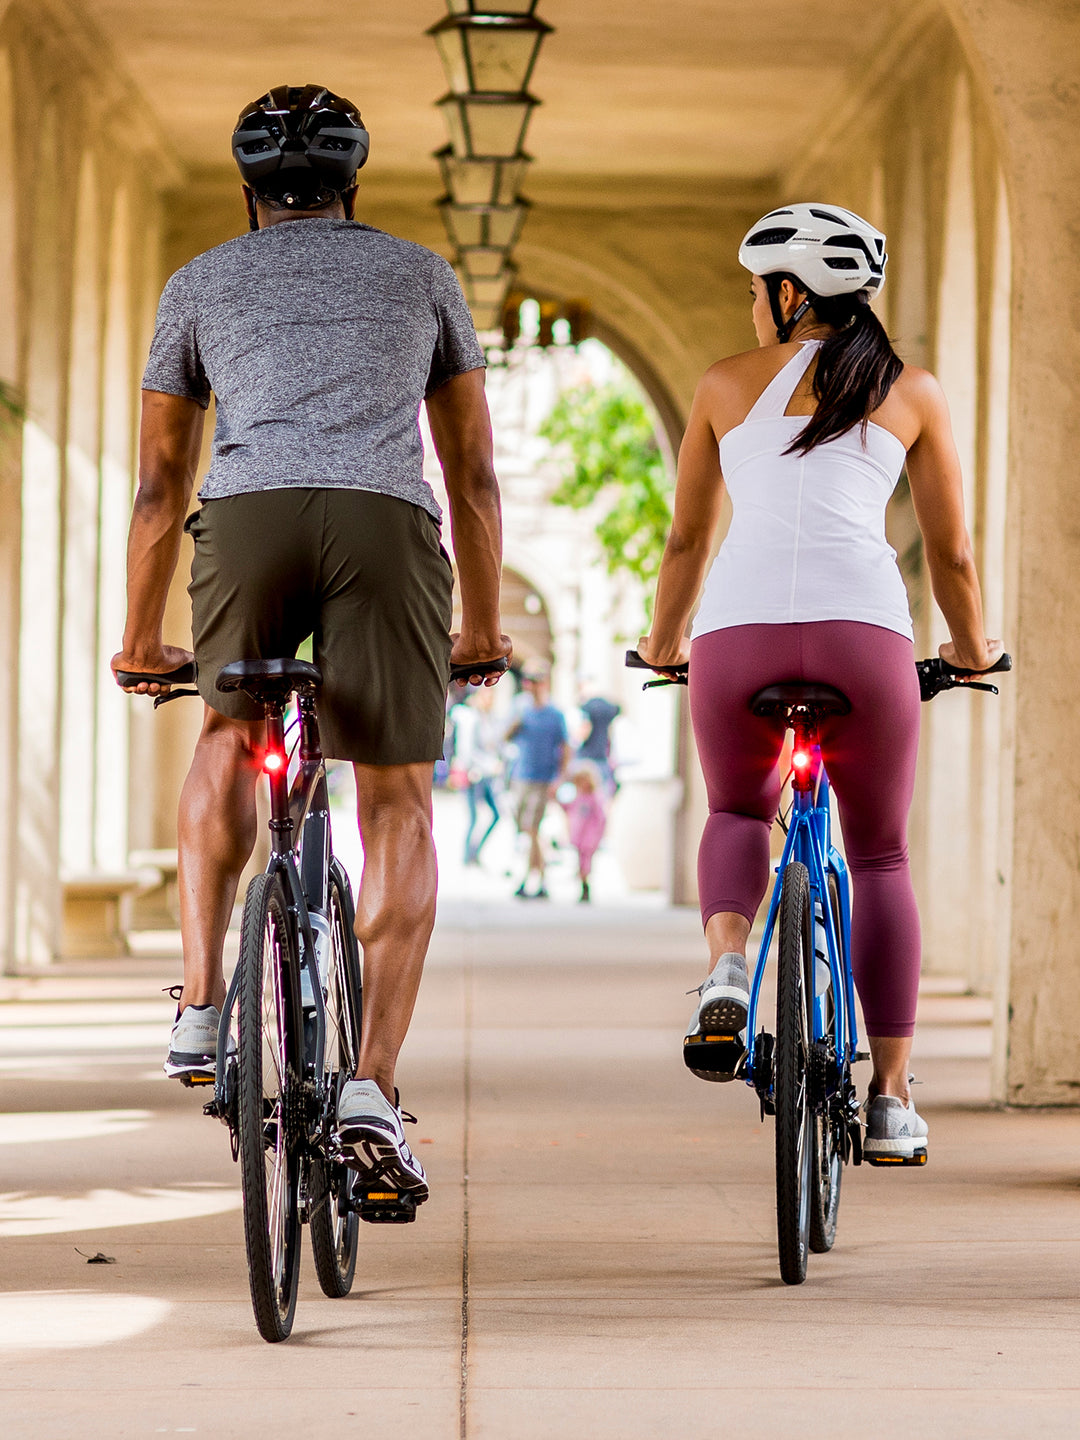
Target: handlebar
[462, 673]
[934, 675]
[670, 674]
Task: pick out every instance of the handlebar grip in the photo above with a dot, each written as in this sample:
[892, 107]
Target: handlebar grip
[670, 674]
[182, 675]
[462, 673]
[1004, 663]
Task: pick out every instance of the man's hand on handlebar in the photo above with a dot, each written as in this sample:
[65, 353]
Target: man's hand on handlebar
[666, 661]
[162, 660]
[953, 659]
[464, 653]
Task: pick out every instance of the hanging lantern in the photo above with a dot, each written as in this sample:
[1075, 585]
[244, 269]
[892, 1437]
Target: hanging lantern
[486, 126]
[492, 7]
[489, 180]
[485, 53]
[485, 225]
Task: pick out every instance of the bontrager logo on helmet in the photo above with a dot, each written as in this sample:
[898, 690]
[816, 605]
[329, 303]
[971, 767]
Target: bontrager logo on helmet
[832, 251]
[300, 146]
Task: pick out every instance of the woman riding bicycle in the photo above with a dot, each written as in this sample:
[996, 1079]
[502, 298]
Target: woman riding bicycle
[810, 433]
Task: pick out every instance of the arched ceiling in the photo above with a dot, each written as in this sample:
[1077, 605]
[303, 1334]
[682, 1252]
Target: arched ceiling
[709, 91]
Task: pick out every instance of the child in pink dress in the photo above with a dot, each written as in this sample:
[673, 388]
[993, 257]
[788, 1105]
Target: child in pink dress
[586, 820]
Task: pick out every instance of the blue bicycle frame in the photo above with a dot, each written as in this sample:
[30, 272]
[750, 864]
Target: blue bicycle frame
[809, 842]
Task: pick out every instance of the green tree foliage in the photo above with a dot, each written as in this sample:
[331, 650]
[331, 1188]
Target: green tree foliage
[605, 441]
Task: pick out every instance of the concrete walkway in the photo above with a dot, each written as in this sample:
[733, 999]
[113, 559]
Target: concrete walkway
[598, 1256]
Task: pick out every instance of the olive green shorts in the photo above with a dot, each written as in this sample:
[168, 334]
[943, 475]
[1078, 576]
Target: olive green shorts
[364, 575]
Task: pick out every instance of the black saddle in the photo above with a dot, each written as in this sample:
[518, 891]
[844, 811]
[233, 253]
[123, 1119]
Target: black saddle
[819, 699]
[268, 678]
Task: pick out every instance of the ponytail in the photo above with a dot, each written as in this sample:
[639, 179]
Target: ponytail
[856, 367]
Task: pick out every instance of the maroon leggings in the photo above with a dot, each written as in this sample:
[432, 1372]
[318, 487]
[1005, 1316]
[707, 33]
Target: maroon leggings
[870, 757]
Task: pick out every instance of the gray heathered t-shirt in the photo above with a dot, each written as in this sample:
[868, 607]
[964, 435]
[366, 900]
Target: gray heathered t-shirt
[319, 340]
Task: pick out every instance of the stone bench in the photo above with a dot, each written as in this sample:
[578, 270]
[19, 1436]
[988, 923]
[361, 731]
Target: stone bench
[99, 909]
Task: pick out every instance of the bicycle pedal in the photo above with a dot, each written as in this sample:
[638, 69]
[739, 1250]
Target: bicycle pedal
[919, 1158]
[718, 1054]
[194, 1081]
[384, 1206]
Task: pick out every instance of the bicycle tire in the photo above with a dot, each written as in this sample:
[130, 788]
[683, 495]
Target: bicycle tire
[828, 1159]
[270, 1035]
[335, 1227]
[794, 1134]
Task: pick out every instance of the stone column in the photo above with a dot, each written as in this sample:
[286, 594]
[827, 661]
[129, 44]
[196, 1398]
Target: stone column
[1027, 50]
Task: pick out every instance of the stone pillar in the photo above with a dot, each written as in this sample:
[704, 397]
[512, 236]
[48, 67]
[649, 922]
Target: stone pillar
[1027, 50]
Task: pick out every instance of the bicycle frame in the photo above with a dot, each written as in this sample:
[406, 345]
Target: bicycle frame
[809, 842]
[300, 854]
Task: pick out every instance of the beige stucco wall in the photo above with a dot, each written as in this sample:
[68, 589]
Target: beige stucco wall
[79, 268]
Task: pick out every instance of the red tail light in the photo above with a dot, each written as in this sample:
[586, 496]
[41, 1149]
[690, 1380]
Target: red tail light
[801, 760]
[273, 761]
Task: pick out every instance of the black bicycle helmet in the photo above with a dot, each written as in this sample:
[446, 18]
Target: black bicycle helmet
[300, 146]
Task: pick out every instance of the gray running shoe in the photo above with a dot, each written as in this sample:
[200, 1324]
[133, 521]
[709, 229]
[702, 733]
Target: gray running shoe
[721, 1011]
[372, 1138]
[193, 1044]
[895, 1134]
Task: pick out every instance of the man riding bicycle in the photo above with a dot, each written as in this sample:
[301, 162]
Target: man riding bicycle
[319, 339]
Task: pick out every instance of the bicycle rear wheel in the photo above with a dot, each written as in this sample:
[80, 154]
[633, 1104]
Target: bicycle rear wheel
[335, 1227]
[829, 1148]
[269, 1068]
[794, 1128]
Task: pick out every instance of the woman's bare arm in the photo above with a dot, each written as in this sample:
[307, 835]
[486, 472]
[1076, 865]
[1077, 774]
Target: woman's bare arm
[937, 493]
[699, 491]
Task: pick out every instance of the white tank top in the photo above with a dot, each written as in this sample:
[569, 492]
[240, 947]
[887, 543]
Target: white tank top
[807, 538]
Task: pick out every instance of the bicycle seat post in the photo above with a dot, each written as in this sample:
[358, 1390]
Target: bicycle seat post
[310, 744]
[275, 764]
[804, 724]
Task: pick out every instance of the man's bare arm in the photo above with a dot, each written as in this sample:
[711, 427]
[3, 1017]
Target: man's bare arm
[461, 429]
[170, 440]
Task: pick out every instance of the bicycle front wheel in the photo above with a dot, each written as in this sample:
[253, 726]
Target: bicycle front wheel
[791, 1091]
[829, 1126]
[335, 1226]
[269, 1068]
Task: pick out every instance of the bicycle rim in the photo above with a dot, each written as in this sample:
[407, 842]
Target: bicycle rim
[794, 1129]
[269, 1039]
[335, 1227]
[828, 1165]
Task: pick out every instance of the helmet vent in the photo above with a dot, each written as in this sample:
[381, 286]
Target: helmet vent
[827, 215]
[780, 236]
[841, 262]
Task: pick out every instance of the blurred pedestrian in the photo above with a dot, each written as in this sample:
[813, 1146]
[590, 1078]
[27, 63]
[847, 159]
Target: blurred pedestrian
[586, 819]
[543, 753]
[601, 715]
[478, 758]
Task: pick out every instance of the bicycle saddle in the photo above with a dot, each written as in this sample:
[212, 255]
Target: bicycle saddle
[778, 699]
[281, 676]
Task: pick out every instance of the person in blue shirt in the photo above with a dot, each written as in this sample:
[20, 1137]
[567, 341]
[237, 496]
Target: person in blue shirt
[543, 753]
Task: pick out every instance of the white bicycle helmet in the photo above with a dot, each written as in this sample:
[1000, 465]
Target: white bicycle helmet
[832, 251]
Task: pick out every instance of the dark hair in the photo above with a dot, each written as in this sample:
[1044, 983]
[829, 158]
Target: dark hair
[856, 367]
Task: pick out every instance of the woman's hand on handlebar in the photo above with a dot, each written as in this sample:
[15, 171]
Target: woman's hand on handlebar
[467, 651]
[993, 650]
[663, 661]
[162, 658]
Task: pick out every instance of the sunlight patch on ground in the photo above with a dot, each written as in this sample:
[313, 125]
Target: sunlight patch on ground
[22, 1213]
[35, 1126]
[73, 1320]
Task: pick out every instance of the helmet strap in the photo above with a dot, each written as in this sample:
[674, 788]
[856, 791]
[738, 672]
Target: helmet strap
[784, 328]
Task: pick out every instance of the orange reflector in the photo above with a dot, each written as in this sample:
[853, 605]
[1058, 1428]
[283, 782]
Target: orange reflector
[383, 1195]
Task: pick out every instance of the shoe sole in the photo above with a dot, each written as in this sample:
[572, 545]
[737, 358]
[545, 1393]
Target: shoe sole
[195, 1069]
[895, 1152]
[724, 1015]
[372, 1152]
